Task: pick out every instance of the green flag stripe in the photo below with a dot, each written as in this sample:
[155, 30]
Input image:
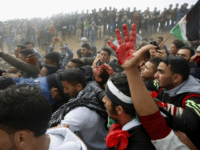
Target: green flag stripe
[176, 31]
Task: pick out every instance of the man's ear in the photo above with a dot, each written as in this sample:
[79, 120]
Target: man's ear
[21, 139]
[119, 110]
[79, 87]
[177, 78]
[98, 79]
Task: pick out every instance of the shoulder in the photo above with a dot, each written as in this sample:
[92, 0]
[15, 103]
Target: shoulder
[139, 139]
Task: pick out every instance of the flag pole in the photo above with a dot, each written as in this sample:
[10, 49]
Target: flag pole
[165, 39]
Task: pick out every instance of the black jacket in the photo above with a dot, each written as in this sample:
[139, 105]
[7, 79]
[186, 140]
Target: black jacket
[189, 121]
[139, 139]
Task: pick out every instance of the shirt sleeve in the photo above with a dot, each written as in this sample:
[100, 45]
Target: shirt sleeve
[80, 118]
[190, 118]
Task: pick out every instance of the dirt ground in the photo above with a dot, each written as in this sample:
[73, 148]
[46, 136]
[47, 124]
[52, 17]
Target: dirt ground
[74, 46]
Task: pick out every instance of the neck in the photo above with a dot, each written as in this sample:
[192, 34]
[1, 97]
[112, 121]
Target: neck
[173, 86]
[125, 119]
[42, 143]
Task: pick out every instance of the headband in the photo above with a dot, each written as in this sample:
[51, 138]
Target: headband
[116, 96]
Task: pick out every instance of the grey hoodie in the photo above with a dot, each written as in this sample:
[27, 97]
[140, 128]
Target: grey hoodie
[192, 85]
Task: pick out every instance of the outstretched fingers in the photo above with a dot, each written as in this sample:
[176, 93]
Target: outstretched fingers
[126, 33]
[113, 46]
[119, 37]
[133, 36]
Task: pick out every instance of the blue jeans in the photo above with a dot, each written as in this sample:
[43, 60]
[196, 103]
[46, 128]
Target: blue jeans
[85, 33]
[111, 28]
[93, 40]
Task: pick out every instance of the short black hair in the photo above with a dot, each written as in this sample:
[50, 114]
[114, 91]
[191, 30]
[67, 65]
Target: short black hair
[190, 49]
[87, 46]
[29, 43]
[78, 62]
[54, 57]
[121, 83]
[178, 43]
[94, 49]
[24, 107]
[6, 82]
[26, 52]
[21, 46]
[73, 76]
[161, 38]
[156, 61]
[78, 52]
[50, 69]
[107, 50]
[178, 65]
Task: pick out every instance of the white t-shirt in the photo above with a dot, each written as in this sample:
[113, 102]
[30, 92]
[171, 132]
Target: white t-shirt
[64, 139]
[88, 125]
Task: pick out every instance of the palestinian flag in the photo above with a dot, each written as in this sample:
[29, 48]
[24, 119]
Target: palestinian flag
[188, 28]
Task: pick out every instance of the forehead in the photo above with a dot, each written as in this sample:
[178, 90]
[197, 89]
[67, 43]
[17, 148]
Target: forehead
[104, 52]
[71, 64]
[83, 48]
[149, 64]
[164, 67]
[184, 51]
[66, 84]
[29, 45]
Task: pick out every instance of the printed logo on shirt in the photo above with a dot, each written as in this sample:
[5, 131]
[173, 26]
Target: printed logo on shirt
[193, 105]
[155, 83]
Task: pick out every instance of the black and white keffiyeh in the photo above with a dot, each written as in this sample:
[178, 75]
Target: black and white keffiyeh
[87, 98]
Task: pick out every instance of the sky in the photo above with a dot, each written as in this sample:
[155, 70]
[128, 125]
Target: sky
[11, 9]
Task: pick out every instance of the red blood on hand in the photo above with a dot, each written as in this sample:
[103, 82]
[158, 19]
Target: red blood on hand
[126, 49]
[197, 59]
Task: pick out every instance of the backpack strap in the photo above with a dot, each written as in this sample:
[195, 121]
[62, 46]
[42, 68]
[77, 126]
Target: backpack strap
[188, 96]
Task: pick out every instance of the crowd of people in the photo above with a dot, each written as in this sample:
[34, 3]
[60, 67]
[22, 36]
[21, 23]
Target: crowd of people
[130, 95]
[93, 25]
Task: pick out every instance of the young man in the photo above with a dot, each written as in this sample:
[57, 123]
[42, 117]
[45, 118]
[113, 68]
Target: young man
[189, 54]
[173, 77]
[65, 52]
[53, 58]
[90, 125]
[104, 56]
[18, 130]
[149, 69]
[47, 70]
[85, 50]
[16, 53]
[74, 63]
[159, 41]
[29, 70]
[30, 45]
[119, 107]
[176, 45]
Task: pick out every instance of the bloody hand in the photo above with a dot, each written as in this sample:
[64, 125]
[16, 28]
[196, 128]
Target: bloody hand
[197, 59]
[126, 49]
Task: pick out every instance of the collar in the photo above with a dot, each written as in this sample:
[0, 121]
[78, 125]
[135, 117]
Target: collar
[133, 123]
[173, 91]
